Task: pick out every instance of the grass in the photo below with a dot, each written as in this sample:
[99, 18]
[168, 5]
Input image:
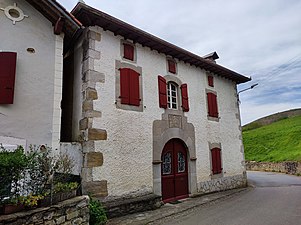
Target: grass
[276, 142]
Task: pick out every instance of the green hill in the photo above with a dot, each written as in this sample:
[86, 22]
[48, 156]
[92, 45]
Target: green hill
[275, 142]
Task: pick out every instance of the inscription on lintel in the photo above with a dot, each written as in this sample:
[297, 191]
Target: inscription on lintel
[175, 121]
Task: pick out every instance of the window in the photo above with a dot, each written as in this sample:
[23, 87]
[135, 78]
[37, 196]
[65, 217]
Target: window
[172, 68]
[167, 163]
[216, 161]
[210, 81]
[129, 87]
[212, 105]
[7, 76]
[172, 96]
[128, 51]
[168, 95]
[181, 162]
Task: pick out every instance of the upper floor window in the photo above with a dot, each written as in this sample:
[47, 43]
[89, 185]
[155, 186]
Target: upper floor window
[128, 51]
[172, 95]
[210, 81]
[129, 87]
[172, 66]
[212, 105]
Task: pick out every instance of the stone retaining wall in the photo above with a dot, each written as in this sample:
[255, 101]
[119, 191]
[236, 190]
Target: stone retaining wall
[222, 184]
[118, 207]
[73, 211]
[282, 167]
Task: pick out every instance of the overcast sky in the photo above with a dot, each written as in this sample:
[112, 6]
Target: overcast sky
[257, 38]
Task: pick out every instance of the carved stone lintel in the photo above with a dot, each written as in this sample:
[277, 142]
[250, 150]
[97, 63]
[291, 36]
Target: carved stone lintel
[175, 121]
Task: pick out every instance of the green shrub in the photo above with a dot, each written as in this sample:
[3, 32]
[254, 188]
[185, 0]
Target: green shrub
[12, 169]
[97, 213]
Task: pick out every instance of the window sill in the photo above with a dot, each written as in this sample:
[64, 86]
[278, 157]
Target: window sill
[211, 118]
[216, 176]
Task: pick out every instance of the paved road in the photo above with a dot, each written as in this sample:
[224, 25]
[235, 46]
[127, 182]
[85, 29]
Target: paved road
[275, 200]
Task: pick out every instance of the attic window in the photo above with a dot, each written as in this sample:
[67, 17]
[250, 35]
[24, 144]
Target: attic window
[128, 51]
[14, 13]
[210, 81]
[172, 66]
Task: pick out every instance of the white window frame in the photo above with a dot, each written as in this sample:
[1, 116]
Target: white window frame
[172, 100]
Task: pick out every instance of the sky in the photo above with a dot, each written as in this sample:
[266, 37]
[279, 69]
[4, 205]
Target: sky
[257, 38]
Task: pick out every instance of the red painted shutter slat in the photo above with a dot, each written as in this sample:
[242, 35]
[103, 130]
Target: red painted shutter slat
[162, 92]
[134, 88]
[124, 86]
[184, 92]
[7, 76]
[128, 51]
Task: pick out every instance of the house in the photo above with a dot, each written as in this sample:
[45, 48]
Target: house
[31, 72]
[153, 118]
[147, 118]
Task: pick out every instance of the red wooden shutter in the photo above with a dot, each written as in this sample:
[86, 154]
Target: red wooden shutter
[124, 86]
[210, 81]
[7, 76]
[209, 102]
[216, 161]
[162, 92]
[219, 160]
[184, 92]
[171, 66]
[212, 105]
[134, 88]
[128, 51]
[213, 160]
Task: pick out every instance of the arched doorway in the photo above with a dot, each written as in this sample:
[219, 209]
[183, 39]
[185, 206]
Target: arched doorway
[174, 171]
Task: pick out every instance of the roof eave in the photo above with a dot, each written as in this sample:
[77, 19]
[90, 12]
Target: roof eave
[90, 16]
[52, 10]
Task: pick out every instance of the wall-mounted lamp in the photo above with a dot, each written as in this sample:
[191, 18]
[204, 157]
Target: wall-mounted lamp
[251, 87]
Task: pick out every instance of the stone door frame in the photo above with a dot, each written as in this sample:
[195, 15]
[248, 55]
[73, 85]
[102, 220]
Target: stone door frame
[173, 126]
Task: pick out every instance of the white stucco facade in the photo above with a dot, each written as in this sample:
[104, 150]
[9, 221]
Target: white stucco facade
[35, 115]
[128, 163]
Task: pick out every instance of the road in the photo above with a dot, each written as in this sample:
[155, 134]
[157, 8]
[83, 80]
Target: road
[274, 200]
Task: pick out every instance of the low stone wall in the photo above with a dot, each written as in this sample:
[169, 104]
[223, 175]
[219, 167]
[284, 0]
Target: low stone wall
[121, 207]
[222, 184]
[282, 167]
[73, 211]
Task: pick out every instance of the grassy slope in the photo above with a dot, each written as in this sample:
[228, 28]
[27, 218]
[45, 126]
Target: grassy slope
[276, 142]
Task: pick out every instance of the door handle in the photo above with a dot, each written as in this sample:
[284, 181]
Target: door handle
[8, 88]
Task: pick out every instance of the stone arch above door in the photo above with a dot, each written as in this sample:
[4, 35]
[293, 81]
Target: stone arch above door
[172, 126]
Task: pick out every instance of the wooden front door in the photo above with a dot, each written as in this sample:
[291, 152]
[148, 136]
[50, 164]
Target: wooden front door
[174, 171]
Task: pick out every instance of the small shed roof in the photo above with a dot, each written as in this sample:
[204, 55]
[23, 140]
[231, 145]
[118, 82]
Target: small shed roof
[90, 17]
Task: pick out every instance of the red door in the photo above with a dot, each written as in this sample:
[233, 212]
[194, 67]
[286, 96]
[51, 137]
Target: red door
[174, 171]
